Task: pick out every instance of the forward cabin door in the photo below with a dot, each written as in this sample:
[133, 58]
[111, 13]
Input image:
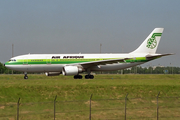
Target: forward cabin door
[25, 61]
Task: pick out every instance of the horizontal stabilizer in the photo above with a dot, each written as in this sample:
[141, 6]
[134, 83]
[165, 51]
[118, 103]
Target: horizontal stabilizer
[149, 57]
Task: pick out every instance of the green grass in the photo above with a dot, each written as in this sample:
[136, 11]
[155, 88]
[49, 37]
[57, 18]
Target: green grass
[38, 92]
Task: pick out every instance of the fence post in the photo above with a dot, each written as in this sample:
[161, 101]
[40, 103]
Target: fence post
[18, 109]
[55, 107]
[90, 107]
[157, 106]
[125, 105]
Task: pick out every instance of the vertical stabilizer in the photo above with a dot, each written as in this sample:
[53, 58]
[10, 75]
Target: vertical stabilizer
[151, 43]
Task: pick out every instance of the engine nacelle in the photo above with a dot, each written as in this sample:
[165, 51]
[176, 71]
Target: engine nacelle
[71, 70]
[52, 73]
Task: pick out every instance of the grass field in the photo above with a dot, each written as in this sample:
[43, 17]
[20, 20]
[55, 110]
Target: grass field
[38, 92]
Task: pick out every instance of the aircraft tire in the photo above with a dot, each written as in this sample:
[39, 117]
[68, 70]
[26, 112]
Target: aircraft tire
[80, 76]
[77, 76]
[25, 77]
[86, 76]
[89, 77]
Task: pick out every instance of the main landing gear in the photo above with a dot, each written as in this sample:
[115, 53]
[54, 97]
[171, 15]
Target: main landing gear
[86, 76]
[25, 75]
[89, 76]
[78, 77]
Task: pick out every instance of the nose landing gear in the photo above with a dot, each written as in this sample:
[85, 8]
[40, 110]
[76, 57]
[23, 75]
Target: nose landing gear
[25, 75]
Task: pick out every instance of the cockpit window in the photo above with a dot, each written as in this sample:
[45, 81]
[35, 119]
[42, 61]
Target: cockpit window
[12, 60]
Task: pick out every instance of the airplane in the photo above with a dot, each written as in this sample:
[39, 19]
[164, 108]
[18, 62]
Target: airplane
[74, 64]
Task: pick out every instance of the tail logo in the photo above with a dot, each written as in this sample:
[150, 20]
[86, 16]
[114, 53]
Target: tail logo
[152, 43]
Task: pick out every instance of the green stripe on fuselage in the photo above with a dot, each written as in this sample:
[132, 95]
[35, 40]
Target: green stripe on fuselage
[138, 59]
[68, 61]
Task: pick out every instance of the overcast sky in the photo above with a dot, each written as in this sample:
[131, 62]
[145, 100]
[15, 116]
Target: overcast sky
[73, 26]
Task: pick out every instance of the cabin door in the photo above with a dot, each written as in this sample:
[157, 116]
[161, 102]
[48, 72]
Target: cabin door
[25, 61]
[48, 60]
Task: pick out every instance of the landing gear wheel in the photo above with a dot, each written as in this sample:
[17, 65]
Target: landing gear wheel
[25, 77]
[77, 76]
[86, 76]
[80, 76]
[89, 76]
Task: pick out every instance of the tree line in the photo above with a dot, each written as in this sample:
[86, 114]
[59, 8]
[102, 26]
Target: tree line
[133, 70]
[146, 70]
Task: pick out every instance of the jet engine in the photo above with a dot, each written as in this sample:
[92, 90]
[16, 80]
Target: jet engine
[52, 73]
[71, 70]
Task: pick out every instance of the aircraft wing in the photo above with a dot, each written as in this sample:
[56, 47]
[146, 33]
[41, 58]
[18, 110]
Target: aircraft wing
[103, 62]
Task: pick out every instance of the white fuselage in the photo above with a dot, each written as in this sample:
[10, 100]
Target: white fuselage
[49, 60]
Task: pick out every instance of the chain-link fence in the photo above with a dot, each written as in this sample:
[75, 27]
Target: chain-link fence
[152, 108]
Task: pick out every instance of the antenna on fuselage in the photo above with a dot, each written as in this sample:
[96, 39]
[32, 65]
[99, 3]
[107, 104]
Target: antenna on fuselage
[12, 53]
[12, 50]
[100, 47]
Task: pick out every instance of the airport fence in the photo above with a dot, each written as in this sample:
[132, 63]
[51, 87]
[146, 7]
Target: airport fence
[149, 108]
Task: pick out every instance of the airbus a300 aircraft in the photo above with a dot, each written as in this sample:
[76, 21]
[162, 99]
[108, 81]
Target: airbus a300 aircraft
[74, 64]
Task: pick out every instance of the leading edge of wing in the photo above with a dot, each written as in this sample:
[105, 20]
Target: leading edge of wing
[103, 62]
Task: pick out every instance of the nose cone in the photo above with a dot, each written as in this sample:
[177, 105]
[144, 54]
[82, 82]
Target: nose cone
[6, 64]
[9, 65]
